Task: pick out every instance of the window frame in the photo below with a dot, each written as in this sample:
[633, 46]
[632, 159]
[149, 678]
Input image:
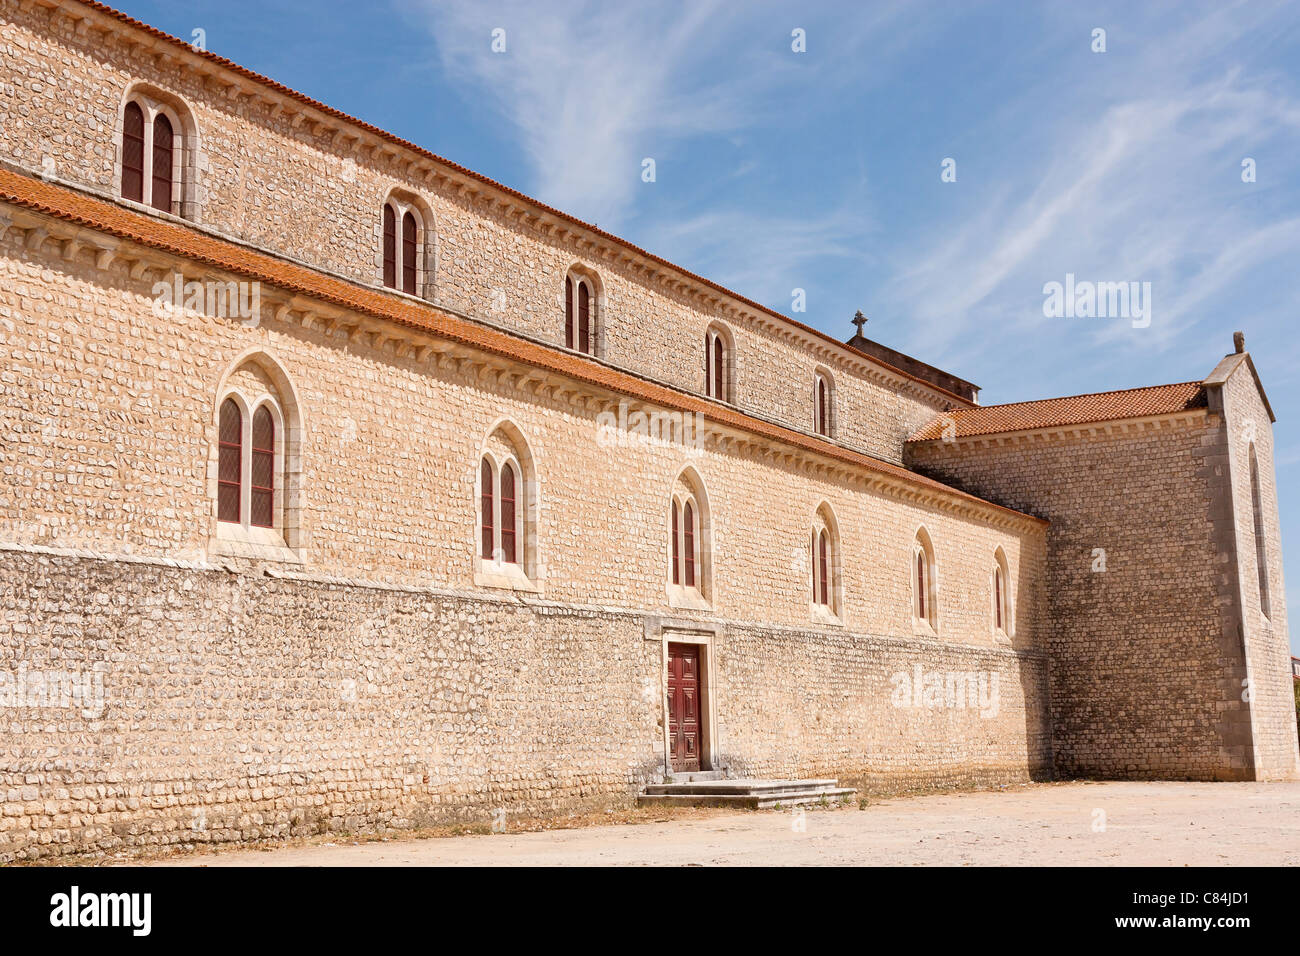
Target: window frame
[689, 573]
[823, 397]
[179, 187]
[1002, 618]
[403, 210]
[717, 337]
[826, 598]
[274, 533]
[924, 588]
[575, 283]
[505, 447]
[497, 528]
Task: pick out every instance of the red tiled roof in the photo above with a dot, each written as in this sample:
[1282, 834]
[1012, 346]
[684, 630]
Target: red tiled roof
[1071, 410]
[464, 171]
[69, 205]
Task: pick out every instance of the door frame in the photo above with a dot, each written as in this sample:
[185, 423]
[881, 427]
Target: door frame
[667, 631]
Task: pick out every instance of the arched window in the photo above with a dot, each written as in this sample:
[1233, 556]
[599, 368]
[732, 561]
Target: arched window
[498, 522]
[163, 147]
[403, 265]
[824, 554]
[1001, 592]
[719, 364]
[509, 494]
[262, 484]
[821, 572]
[256, 475]
[688, 544]
[230, 461]
[924, 587]
[823, 404]
[1261, 552]
[488, 511]
[390, 247]
[685, 543]
[247, 453]
[672, 542]
[133, 152]
[158, 143]
[689, 560]
[580, 313]
[507, 542]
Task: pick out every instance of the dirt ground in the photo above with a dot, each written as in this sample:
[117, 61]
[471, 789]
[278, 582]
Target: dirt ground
[1069, 824]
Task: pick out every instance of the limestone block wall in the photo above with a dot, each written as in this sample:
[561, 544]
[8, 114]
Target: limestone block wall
[1147, 680]
[1248, 430]
[246, 706]
[308, 191]
[110, 416]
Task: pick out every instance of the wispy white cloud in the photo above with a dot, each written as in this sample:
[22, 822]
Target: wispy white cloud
[594, 88]
[763, 256]
[1139, 182]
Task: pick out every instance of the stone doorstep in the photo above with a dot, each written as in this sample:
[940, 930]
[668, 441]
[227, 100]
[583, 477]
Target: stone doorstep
[766, 801]
[752, 794]
[752, 786]
[694, 776]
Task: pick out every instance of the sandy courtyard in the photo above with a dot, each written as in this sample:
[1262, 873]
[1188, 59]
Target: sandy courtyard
[1071, 824]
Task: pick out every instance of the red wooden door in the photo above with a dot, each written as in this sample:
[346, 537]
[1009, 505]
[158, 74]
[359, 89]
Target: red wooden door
[684, 706]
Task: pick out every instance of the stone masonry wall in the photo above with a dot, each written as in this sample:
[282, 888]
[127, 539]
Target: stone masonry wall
[1146, 682]
[109, 418]
[244, 706]
[296, 190]
[1246, 426]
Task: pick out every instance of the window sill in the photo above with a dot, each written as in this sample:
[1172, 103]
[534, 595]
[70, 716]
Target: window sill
[821, 614]
[260, 544]
[1002, 637]
[690, 598]
[413, 296]
[923, 628]
[508, 577]
[165, 214]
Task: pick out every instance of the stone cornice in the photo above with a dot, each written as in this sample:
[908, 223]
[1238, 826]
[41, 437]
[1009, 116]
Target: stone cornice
[397, 157]
[1105, 429]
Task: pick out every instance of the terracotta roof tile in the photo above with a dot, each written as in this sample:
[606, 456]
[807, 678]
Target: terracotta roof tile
[1071, 410]
[471, 174]
[75, 207]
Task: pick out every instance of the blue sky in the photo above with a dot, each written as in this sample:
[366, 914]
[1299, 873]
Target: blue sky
[820, 170]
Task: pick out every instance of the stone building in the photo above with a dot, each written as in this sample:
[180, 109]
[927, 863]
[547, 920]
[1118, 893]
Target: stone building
[344, 488]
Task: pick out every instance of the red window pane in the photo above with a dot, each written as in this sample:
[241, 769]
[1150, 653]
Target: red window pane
[230, 465]
[568, 313]
[812, 562]
[676, 547]
[920, 585]
[709, 364]
[408, 253]
[584, 318]
[823, 421]
[508, 495]
[262, 482]
[163, 145]
[133, 153]
[823, 567]
[718, 366]
[390, 247]
[487, 509]
[997, 597]
[688, 544]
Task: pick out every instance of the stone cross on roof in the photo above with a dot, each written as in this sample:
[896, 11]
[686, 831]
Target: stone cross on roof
[859, 320]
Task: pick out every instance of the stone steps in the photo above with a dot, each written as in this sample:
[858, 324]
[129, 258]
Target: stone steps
[753, 794]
